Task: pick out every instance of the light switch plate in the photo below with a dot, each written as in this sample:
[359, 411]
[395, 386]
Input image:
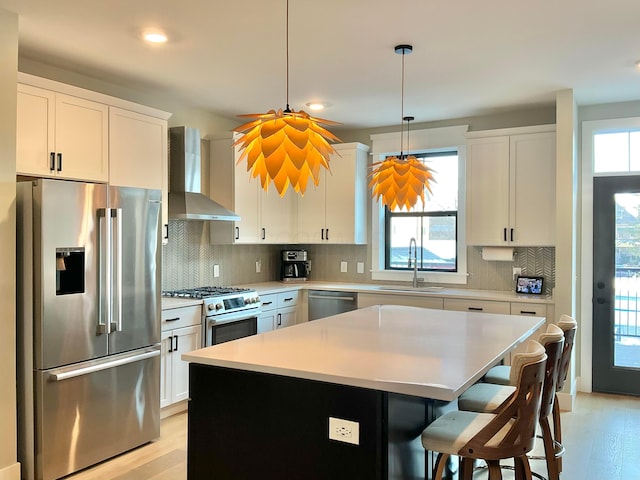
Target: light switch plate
[360, 267]
[216, 271]
[343, 267]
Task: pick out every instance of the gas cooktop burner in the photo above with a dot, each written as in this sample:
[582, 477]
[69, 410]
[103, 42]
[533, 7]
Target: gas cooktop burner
[204, 292]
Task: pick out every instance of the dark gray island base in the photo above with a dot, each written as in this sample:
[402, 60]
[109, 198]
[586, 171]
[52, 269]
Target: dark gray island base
[246, 426]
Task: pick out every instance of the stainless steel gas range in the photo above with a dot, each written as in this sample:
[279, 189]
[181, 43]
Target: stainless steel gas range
[228, 313]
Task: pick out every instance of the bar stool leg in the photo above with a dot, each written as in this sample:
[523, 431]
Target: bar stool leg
[522, 468]
[557, 434]
[549, 450]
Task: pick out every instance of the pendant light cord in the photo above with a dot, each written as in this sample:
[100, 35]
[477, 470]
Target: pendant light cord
[287, 110]
[401, 111]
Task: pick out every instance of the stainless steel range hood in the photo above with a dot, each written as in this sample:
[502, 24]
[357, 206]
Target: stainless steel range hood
[186, 202]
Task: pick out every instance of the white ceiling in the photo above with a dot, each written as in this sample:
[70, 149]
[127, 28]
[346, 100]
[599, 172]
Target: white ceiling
[470, 57]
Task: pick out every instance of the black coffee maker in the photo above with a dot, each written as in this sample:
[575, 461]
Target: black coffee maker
[295, 266]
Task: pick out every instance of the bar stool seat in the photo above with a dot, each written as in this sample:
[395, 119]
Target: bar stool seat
[507, 433]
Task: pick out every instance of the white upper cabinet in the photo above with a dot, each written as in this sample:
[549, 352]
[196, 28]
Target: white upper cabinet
[335, 211]
[511, 187]
[61, 136]
[265, 217]
[138, 155]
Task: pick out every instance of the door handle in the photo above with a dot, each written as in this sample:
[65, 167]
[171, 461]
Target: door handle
[475, 309]
[237, 233]
[59, 162]
[52, 161]
[117, 274]
[104, 254]
[104, 366]
[175, 349]
[279, 319]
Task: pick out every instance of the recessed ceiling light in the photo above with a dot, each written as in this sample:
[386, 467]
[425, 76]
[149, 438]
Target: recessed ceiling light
[316, 106]
[155, 37]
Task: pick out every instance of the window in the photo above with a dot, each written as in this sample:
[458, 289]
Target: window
[616, 151]
[438, 226]
[433, 224]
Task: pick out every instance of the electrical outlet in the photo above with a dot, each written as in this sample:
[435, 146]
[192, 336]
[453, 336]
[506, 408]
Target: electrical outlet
[344, 431]
[360, 267]
[216, 271]
[516, 271]
[343, 267]
[258, 265]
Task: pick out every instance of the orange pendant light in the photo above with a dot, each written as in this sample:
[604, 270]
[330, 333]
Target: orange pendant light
[398, 182]
[285, 147]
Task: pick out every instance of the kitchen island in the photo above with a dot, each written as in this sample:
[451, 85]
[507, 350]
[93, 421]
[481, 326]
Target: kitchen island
[260, 407]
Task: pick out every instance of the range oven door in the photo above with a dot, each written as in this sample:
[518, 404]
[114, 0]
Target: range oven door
[232, 326]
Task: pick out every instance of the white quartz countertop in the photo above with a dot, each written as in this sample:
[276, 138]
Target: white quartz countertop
[408, 350]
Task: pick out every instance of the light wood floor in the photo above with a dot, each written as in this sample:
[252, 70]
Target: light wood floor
[601, 435]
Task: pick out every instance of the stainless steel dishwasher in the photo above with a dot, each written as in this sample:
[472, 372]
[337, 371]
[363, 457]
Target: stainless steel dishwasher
[324, 303]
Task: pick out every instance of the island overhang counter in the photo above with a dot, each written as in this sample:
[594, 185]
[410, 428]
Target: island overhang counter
[260, 406]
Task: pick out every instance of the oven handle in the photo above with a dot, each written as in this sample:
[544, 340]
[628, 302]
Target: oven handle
[232, 317]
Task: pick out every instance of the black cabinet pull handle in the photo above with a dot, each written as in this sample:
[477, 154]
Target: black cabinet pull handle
[279, 319]
[267, 303]
[52, 161]
[237, 233]
[327, 235]
[264, 233]
[172, 319]
[166, 231]
[322, 234]
[287, 299]
[170, 344]
[176, 337]
[527, 312]
[504, 234]
[59, 162]
[475, 309]
[512, 234]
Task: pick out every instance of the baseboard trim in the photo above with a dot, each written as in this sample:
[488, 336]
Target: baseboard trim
[171, 410]
[566, 399]
[11, 472]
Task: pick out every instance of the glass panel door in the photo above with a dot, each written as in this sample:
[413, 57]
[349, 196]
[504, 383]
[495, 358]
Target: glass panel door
[616, 263]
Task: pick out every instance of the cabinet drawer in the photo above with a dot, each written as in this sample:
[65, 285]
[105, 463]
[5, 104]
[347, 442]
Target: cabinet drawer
[269, 301]
[484, 306]
[288, 299]
[181, 317]
[534, 310]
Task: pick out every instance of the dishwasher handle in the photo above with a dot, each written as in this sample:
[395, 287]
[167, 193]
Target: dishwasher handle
[327, 297]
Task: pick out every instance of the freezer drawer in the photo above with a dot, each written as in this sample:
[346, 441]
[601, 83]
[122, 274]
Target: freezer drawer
[91, 411]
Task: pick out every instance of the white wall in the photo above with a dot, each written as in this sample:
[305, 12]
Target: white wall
[9, 469]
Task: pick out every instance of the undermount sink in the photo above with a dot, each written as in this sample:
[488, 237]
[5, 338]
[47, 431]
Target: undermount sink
[409, 289]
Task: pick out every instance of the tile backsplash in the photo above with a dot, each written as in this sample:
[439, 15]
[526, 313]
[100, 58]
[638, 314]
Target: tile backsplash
[188, 261]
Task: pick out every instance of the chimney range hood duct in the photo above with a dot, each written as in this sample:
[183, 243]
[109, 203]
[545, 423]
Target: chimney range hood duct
[186, 202]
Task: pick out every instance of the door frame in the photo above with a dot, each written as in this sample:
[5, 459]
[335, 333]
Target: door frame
[585, 278]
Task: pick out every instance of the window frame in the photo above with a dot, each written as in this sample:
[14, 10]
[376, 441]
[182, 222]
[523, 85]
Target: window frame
[427, 141]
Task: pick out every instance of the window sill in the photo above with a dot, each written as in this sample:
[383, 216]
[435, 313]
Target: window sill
[429, 277]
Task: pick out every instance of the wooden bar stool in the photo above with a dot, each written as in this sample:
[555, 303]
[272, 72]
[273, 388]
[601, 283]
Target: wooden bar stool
[488, 397]
[509, 432]
[569, 326]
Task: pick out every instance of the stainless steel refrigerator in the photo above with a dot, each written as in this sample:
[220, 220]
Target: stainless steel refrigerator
[88, 323]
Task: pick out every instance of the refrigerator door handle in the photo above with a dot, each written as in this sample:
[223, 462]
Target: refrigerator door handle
[104, 259]
[116, 214]
[78, 372]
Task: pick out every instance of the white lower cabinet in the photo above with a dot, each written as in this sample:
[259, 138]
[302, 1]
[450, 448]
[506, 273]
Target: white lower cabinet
[369, 299]
[483, 306]
[181, 333]
[279, 310]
